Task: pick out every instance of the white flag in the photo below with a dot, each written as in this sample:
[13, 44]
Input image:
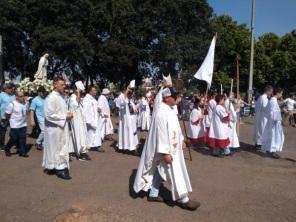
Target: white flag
[206, 70]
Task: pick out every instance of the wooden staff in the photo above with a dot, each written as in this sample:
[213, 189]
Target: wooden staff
[185, 131]
[237, 90]
[179, 85]
[231, 86]
[205, 102]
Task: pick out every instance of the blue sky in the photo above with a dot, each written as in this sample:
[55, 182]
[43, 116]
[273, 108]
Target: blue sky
[278, 16]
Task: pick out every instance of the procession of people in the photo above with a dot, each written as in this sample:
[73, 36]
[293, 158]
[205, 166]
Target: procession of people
[72, 124]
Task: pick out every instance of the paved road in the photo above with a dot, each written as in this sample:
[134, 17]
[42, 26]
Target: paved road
[245, 187]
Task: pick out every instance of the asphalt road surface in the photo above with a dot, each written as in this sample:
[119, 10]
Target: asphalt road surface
[248, 186]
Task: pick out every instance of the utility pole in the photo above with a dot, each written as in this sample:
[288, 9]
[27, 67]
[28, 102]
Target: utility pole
[1, 62]
[250, 91]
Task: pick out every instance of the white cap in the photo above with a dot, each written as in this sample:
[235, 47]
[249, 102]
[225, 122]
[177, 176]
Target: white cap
[167, 80]
[148, 94]
[79, 85]
[106, 91]
[132, 84]
[169, 92]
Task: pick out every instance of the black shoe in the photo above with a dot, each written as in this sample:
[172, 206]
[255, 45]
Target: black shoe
[155, 199]
[275, 155]
[39, 147]
[84, 157]
[7, 153]
[257, 147]
[63, 174]
[49, 172]
[94, 149]
[101, 150]
[24, 155]
[135, 153]
[190, 205]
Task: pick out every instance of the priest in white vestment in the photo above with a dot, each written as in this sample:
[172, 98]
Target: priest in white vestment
[91, 115]
[78, 127]
[233, 138]
[145, 171]
[105, 122]
[56, 132]
[260, 115]
[144, 113]
[127, 131]
[166, 162]
[273, 134]
[41, 73]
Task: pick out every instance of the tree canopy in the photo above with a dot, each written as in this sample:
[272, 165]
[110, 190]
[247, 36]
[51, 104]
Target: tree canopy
[119, 40]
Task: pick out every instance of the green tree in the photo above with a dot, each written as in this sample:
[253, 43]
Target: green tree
[232, 40]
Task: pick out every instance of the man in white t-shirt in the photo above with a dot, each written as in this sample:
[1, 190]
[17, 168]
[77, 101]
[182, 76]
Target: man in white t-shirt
[16, 112]
[290, 104]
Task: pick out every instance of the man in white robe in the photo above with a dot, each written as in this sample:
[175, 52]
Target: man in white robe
[144, 113]
[127, 131]
[41, 73]
[166, 162]
[56, 132]
[273, 134]
[146, 169]
[91, 114]
[260, 115]
[105, 122]
[78, 127]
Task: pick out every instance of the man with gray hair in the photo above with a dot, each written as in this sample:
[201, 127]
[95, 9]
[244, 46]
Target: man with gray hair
[6, 97]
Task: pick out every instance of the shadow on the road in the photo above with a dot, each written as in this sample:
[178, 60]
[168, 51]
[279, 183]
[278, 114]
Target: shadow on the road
[250, 148]
[28, 147]
[202, 149]
[132, 193]
[164, 192]
[141, 146]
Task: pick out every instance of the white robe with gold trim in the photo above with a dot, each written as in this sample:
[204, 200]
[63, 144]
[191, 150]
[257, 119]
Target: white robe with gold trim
[169, 141]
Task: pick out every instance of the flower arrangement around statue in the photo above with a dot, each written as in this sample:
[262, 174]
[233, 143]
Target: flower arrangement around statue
[30, 87]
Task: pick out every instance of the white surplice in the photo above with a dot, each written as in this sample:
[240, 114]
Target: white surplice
[90, 111]
[78, 124]
[56, 133]
[196, 129]
[105, 122]
[260, 116]
[127, 131]
[273, 134]
[169, 141]
[233, 138]
[144, 114]
[210, 109]
[219, 132]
